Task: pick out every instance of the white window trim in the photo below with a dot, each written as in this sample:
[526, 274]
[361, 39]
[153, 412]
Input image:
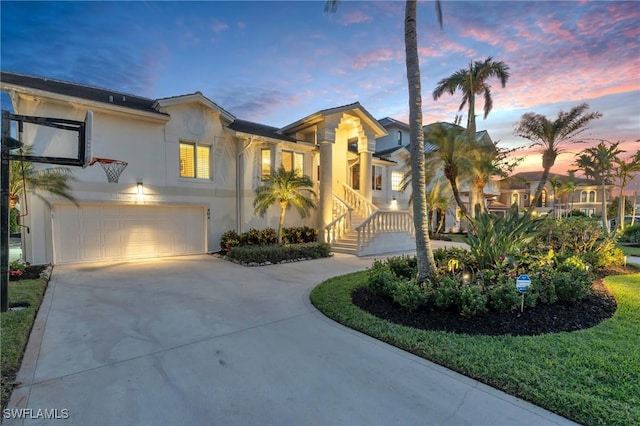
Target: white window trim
[196, 178]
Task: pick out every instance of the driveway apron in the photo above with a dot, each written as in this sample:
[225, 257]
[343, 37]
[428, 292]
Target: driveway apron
[198, 340]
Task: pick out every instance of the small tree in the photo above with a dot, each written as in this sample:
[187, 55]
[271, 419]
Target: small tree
[598, 163]
[286, 188]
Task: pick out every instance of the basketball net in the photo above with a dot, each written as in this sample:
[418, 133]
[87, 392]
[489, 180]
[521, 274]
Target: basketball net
[112, 168]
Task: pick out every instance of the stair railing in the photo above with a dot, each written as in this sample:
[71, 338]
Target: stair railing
[342, 222]
[384, 221]
[360, 205]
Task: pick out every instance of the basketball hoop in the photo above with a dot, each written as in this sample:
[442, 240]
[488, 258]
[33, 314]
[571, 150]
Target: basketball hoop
[112, 168]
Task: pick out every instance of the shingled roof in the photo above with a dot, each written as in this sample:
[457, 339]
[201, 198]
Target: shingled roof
[258, 129]
[96, 94]
[522, 180]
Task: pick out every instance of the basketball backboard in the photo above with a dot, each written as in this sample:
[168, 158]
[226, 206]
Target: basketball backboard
[50, 140]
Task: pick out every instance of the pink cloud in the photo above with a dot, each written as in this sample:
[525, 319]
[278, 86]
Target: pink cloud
[356, 17]
[374, 58]
[218, 26]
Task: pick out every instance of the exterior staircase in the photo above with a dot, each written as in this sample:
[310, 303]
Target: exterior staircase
[348, 243]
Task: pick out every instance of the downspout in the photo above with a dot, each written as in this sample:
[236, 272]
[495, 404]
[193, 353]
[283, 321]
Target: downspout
[240, 186]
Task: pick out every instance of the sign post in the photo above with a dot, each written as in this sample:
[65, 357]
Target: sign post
[522, 285]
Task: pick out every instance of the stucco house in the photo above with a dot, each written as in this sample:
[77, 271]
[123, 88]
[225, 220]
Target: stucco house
[585, 195]
[191, 175]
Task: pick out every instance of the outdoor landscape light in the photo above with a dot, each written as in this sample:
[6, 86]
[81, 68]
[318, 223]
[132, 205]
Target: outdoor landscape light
[394, 204]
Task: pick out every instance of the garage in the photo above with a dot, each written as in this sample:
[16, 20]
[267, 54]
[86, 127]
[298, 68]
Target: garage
[96, 232]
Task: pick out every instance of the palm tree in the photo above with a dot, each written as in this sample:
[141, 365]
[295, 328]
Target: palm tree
[454, 154]
[424, 252]
[598, 163]
[625, 172]
[438, 197]
[286, 188]
[551, 137]
[24, 177]
[472, 82]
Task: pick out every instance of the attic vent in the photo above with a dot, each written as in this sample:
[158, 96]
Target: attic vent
[110, 98]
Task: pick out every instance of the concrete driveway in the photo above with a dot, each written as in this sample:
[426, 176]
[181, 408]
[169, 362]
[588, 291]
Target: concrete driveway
[197, 340]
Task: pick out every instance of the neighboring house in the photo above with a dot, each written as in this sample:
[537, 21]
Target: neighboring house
[586, 196]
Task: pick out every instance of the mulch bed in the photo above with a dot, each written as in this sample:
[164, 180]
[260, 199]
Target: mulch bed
[30, 273]
[541, 319]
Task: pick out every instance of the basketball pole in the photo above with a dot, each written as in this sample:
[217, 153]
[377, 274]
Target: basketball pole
[6, 144]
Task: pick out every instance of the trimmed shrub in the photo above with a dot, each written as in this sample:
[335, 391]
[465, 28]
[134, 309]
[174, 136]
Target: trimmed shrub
[503, 298]
[301, 234]
[275, 253]
[409, 294]
[447, 294]
[472, 301]
[631, 235]
[572, 284]
[403, 266]
[380, 279]
[228, 240]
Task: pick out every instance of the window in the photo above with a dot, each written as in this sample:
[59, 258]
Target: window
[592, 196]
[265, 163]
[195, 161]
[293, 161]
[376, 178]
[515, 199]
[542, 201]
[399, 137]
[396, 181]
[583, 197]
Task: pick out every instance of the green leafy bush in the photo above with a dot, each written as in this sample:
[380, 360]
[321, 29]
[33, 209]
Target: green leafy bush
[409, 294]
[301, 234]
[403, 266]
[472, 301]
[228, 240]
[504, 298]
[380, 279]
[631, 235]
[447, 294]
[572, 285]
[274, 253]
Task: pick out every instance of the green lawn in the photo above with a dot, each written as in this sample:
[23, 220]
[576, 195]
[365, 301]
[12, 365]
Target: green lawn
[16, 327]
[630, 251]
[590, 376]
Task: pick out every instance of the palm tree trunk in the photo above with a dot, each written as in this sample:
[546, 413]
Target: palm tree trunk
[456, 195]
[424, 253]
[283, 209]
[604, 207]
[621, 208]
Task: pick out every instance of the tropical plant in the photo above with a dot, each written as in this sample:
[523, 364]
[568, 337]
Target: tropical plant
[453, 153]
[438, 197]
[23, 177]
[471, 82]
[598, 163]
[492, 237]
[551, 137]
[286, 188]
[625, 171]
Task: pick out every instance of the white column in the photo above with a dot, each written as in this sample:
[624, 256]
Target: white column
[326, 184]
[365, 174]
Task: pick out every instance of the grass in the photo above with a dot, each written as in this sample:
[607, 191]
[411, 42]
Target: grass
[16, 327]
[590, 376]
[630, 250]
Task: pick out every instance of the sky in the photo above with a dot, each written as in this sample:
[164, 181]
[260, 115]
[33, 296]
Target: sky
[276, 62]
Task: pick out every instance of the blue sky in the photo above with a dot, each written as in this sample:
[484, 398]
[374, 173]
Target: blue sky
[275, 62]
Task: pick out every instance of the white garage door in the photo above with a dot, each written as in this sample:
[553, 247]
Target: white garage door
[110, 232]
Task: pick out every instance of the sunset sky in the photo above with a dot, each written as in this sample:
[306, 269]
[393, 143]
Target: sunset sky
[275, 62]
